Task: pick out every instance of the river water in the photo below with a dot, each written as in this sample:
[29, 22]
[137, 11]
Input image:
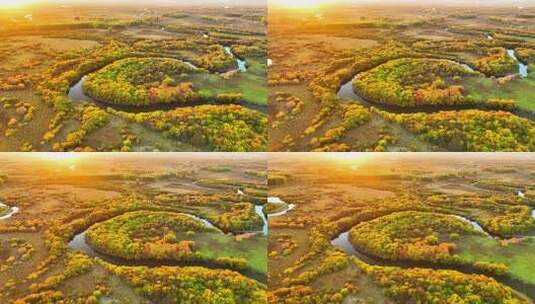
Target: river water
[286, 207]
[522, 68]
[77, 94]
[347, 92]
[259, 209]
[79, 243]
[342, 242]
[474, 224]
[242, 64]
[12, 211]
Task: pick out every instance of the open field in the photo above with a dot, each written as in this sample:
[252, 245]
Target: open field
[401, 228]
[390, 77]
[133, 78]
[133, 228]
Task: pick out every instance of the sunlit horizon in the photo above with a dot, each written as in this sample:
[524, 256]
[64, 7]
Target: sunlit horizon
[17, 4]
[59, 156]
[350, 161]
[13, 4]
[304, 4]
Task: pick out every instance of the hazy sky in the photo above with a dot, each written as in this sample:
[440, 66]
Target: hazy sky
[159, 2]
[454, 2]
[516, 3]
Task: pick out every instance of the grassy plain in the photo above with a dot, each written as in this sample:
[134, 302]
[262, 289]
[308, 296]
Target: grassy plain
[335, 85]
[48, 104]
[401, 228]
[133, 228]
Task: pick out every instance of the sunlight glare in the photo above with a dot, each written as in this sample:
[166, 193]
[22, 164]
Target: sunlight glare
[59, 157]
[301, 3]
[7, 4]
[353, 161]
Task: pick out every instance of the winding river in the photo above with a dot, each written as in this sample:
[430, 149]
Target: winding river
[474, 224]
[347, 92]
[259, 209]
[77, 94]
[284, 206]
[79, 243]
[242, 64]
[10, 213]
[522, 68]
[342, 242]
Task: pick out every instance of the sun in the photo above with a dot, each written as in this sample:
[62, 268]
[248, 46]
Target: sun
[352, 161]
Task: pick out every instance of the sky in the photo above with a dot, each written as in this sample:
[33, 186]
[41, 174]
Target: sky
[508, 3]
[158, 2]
[456, 2]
